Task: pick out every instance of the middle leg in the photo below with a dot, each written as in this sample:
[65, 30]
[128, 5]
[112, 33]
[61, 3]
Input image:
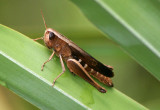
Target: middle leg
[63, 70]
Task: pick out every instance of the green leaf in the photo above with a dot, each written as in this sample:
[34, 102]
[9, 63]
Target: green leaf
[133, 24]
[20, 64]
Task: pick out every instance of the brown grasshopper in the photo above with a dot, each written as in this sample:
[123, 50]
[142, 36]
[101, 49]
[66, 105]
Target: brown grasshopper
[78, 61]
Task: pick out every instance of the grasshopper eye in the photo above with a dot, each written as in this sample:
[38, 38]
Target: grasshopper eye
[51, 35]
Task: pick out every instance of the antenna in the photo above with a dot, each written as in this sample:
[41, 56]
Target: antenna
[43, 19]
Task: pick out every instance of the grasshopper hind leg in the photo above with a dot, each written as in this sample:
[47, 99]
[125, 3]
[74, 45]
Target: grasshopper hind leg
[75, 67]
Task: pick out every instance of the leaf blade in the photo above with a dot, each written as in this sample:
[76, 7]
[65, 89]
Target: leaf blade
[130, 25]
[21, 61]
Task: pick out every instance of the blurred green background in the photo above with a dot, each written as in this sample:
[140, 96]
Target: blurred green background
[25, 17]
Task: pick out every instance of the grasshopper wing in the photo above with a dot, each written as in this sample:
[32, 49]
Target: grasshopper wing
[92, 62]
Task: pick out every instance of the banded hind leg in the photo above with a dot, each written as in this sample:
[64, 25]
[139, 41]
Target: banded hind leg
[78, 69]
